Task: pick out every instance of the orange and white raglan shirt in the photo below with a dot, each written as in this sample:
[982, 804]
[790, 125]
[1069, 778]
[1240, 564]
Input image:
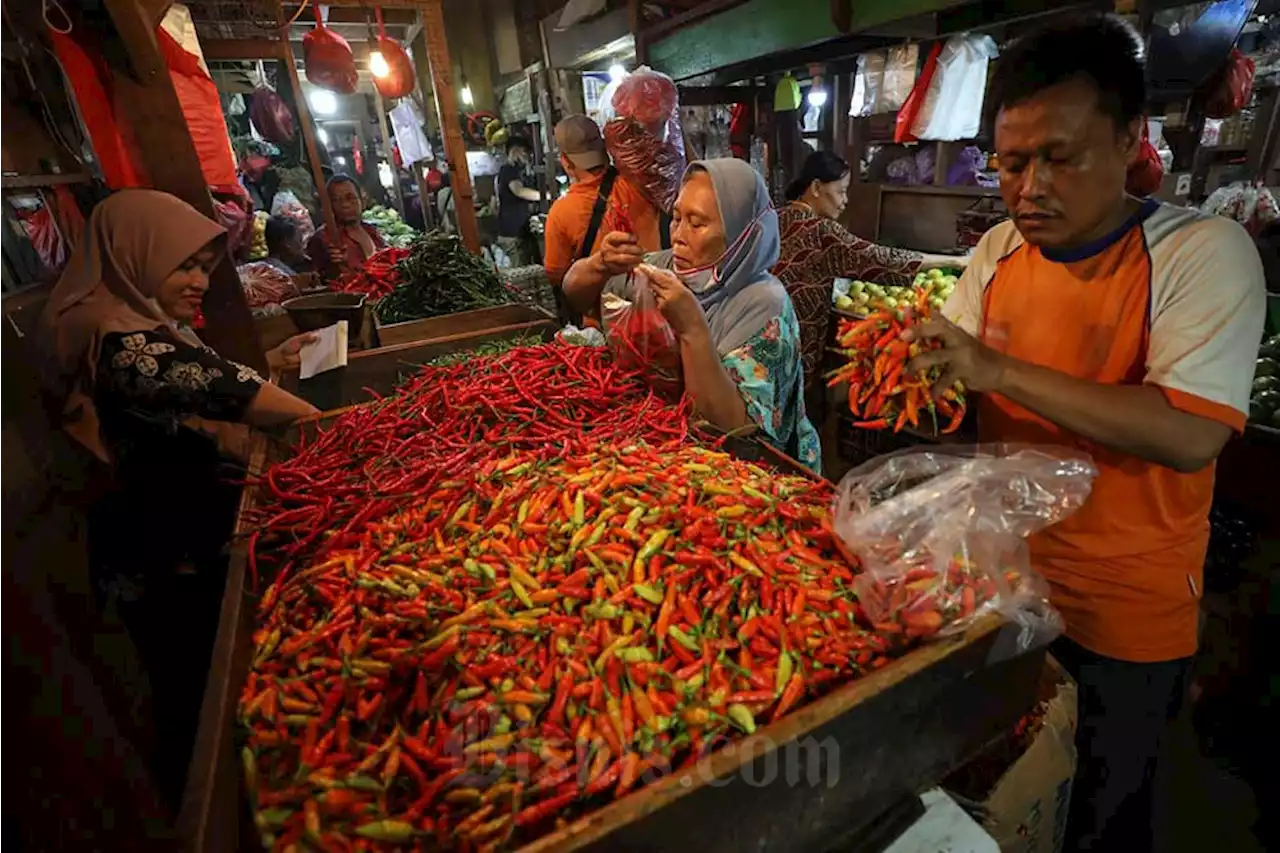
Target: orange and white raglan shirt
[1174, 299]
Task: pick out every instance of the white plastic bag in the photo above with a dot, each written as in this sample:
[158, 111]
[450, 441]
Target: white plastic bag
[900, 69]
[867, 81]
[940, 535]
[953, 104]
[286, 204]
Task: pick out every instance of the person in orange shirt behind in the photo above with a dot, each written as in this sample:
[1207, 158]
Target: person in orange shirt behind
[599, 201]
[1127, 329]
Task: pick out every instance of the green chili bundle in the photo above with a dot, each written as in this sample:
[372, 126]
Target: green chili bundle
[440, 276]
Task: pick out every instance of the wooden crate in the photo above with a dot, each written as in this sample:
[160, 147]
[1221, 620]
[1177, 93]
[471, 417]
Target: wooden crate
[465, 322]
[381, 370]
[816, 779]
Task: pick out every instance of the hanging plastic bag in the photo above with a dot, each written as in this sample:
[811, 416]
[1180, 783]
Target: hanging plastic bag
[899, 77]
[1230, 89]
[642, 339]
[233, 217]
[644, 138]
[42, 231]
[915, 101]
[271, 116]
[867, 80]
[1146, 172]
[286, 204]
[940, 535]
[952, 107]
[398, 81]
[328, 58]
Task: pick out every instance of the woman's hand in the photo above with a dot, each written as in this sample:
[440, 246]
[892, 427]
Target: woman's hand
[289, 353]
[677, 302]
[620, 253]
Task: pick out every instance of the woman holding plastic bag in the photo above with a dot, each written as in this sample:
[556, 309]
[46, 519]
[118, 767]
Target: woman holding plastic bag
[709, 309]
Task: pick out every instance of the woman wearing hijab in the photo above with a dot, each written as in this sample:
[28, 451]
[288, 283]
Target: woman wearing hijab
[737, 332]
[134, 386]
[816, 250]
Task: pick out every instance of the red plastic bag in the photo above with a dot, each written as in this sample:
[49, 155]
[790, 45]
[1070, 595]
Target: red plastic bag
[271, 116]
[202, 110]
[238, 223]
[1146, 172]
[644, 137]
[642, 339]
[911, 106]
[43, 233]
[1229, 90]
[648, 97]
[399, 79]
[329, 61]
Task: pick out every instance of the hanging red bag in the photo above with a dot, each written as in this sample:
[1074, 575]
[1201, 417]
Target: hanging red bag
[1228, 91]
[271, 116]
[1146, 172]
[911, 106]
[397, 82]
[329, 61]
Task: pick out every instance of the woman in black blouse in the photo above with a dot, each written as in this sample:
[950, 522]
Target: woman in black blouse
[167, 418]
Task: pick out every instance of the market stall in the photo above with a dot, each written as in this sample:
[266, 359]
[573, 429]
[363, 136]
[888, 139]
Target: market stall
[889, 697]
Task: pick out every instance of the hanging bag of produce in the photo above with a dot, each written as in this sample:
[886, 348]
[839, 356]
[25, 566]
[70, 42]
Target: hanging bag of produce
[644, 137]
[397, 80]
[270, 115]
[940, 533]
[1146, 172]
[329, 61]
[1230, 89]
[641, 338]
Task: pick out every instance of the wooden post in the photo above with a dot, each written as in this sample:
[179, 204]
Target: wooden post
[447, 110]
[169, 156]
[384, 131]
[308, 128]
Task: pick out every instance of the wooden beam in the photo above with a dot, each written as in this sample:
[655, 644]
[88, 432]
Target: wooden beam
[169, 156]
[308, 129]
[447, 109]
[232, 49]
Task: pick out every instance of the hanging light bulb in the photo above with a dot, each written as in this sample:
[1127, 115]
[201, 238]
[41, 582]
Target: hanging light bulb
[817, 97]
[616, 72]
[378, 66]
[467, 98]
[323, 101]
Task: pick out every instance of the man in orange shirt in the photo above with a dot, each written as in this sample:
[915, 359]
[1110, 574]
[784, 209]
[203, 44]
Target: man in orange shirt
[599, 201]
[1127, 329]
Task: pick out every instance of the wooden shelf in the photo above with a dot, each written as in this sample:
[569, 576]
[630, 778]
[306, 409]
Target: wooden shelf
[23, 182]
[933, 189]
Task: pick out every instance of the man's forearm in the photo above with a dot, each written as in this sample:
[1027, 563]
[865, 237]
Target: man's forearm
[584, 282]
[528, 194]
[714, 393]
[1133, 419]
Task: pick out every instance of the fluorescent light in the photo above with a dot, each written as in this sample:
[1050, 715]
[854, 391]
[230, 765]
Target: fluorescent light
[322, 136]
[323, 102]
[817, 97]
[616, 72]
[341, 161]
[467, 98]
[378, 66]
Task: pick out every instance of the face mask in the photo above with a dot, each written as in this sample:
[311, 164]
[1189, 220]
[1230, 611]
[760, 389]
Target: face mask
[699, 280]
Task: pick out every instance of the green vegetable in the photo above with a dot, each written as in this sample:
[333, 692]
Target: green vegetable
[441, 277]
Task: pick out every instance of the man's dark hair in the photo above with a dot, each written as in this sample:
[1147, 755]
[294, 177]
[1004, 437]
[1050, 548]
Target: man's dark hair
[1101, 49]
[333, 182]
[519, 142]
[279, 230]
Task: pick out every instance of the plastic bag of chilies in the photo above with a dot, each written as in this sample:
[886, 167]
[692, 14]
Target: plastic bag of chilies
[640, 338]
[940, 533]
[329, 61]
[644, 136]
[271, 116]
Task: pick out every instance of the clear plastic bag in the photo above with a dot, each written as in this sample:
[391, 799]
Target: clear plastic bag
[940, 534]
[644, 136]
[640, 338]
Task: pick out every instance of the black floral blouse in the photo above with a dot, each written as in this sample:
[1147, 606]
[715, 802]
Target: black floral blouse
[158, 378]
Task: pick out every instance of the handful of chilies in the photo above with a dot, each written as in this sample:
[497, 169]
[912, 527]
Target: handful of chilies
[882, 394]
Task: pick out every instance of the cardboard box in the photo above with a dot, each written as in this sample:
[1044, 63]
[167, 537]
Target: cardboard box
[1025, 810]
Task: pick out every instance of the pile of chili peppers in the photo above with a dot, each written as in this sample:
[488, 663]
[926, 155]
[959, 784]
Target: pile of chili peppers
[881, 394]
[520, 644]
[443, 422]
[379, 276]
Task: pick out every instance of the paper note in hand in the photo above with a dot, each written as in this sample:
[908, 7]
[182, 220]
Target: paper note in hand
[329, 350]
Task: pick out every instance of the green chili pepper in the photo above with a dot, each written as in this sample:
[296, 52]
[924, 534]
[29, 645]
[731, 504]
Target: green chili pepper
[684, 639]
[637, 654]
[742, 717]
[386, 830]
[648, 593]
